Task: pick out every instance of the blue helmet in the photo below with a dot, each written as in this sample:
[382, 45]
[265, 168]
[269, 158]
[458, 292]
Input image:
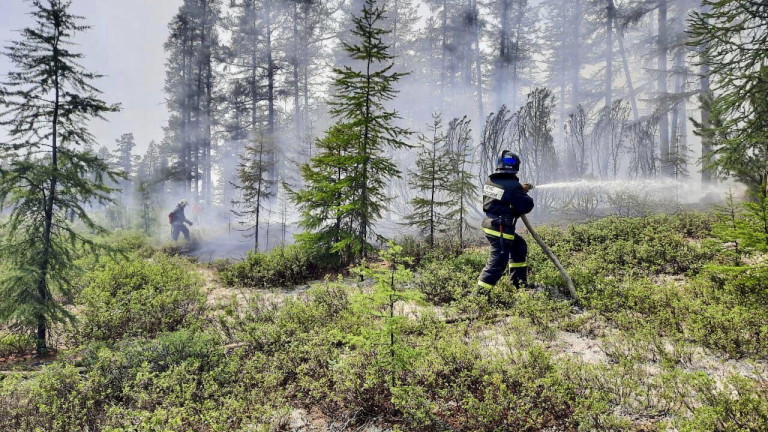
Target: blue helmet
[508, 162]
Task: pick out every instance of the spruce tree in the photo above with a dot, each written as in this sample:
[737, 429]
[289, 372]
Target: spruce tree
[190, 86]
[732, 37]
[255, 185]
[365, 129]
[461, 188]
[47, 173]
[125, 161]
[325, 200]
[430, 179]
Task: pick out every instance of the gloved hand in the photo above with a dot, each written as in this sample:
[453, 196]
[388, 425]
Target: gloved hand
[190, 223]
[527, 187]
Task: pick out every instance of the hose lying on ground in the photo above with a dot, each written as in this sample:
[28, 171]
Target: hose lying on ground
[552, 257]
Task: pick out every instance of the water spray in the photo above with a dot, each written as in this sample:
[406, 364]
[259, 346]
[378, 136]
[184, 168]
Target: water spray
[551, 255]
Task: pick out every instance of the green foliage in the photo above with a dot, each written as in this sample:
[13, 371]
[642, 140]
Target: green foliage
[449, 279]
[255, 185]
[181, 381]
[326, 199]
[346, 181]
[47, 179]
[653, 245]
[461, 188]
[431, 179]
[281, 267]
[728, 311]
[136, 297]
[372, 352]
[739, 106]
[741, 405]
[388, 290]
[744, 224]
[15, 343]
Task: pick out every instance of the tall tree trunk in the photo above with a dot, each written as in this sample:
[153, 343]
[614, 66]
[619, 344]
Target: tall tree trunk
[627, 74]
[576, 58]
[679, 130]
[270, 72]
[705, 97]
[502, 62]
[478, 61]
[296, 109]
[207, 163]
[271, 117]
[610, 16]
[515, 59]
[444, 54]
[662, 88]
[258, 194]
[364, 185]
[42, 283]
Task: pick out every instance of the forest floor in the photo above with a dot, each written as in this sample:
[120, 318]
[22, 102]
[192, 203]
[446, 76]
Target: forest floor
[594, 342]
[666, 330]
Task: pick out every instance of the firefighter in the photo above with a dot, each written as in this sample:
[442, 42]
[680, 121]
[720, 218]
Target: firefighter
[505, 199]
[177, 220]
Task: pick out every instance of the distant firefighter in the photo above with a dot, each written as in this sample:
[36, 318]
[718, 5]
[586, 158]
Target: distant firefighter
[197, 211]
[177, 220]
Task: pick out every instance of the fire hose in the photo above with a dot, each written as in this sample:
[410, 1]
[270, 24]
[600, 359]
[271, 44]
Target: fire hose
[552, 257]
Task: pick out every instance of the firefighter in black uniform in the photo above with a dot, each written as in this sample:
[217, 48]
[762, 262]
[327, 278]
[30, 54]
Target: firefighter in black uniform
[177, 220]
[505, 199]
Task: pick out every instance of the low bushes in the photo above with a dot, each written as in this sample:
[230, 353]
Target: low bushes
[137, 297]
[445, 281]
[283, 266]
[15, 343]
[648, 246]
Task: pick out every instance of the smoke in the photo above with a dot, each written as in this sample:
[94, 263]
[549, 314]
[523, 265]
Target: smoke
[683, 192]
[463, 58]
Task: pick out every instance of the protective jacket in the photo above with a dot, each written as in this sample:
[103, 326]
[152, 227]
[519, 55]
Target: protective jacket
[177, 216]
[504, 200]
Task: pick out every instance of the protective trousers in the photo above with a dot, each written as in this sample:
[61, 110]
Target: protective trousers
[179, 228]
[512, 255]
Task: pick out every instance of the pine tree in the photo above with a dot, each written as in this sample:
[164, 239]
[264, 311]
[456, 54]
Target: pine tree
[389, 289]
[325, 200]
[611, 129]
[190, 83]
[494, 139]
[48, 102]
[255, 186]
[461, 188]
[125, 162]
[430, 178]
[739, 86]
[151, 174]
[365, 129]
[534, 129]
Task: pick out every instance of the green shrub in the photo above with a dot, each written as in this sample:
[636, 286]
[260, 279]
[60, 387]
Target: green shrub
[449, 280]
[417, 250]
[284, 266]
[15, 344]
[728, 310]
[137, 297]
[741, 405]
[653, 245]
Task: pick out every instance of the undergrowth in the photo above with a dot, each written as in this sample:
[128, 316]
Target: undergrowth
[146, 355]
